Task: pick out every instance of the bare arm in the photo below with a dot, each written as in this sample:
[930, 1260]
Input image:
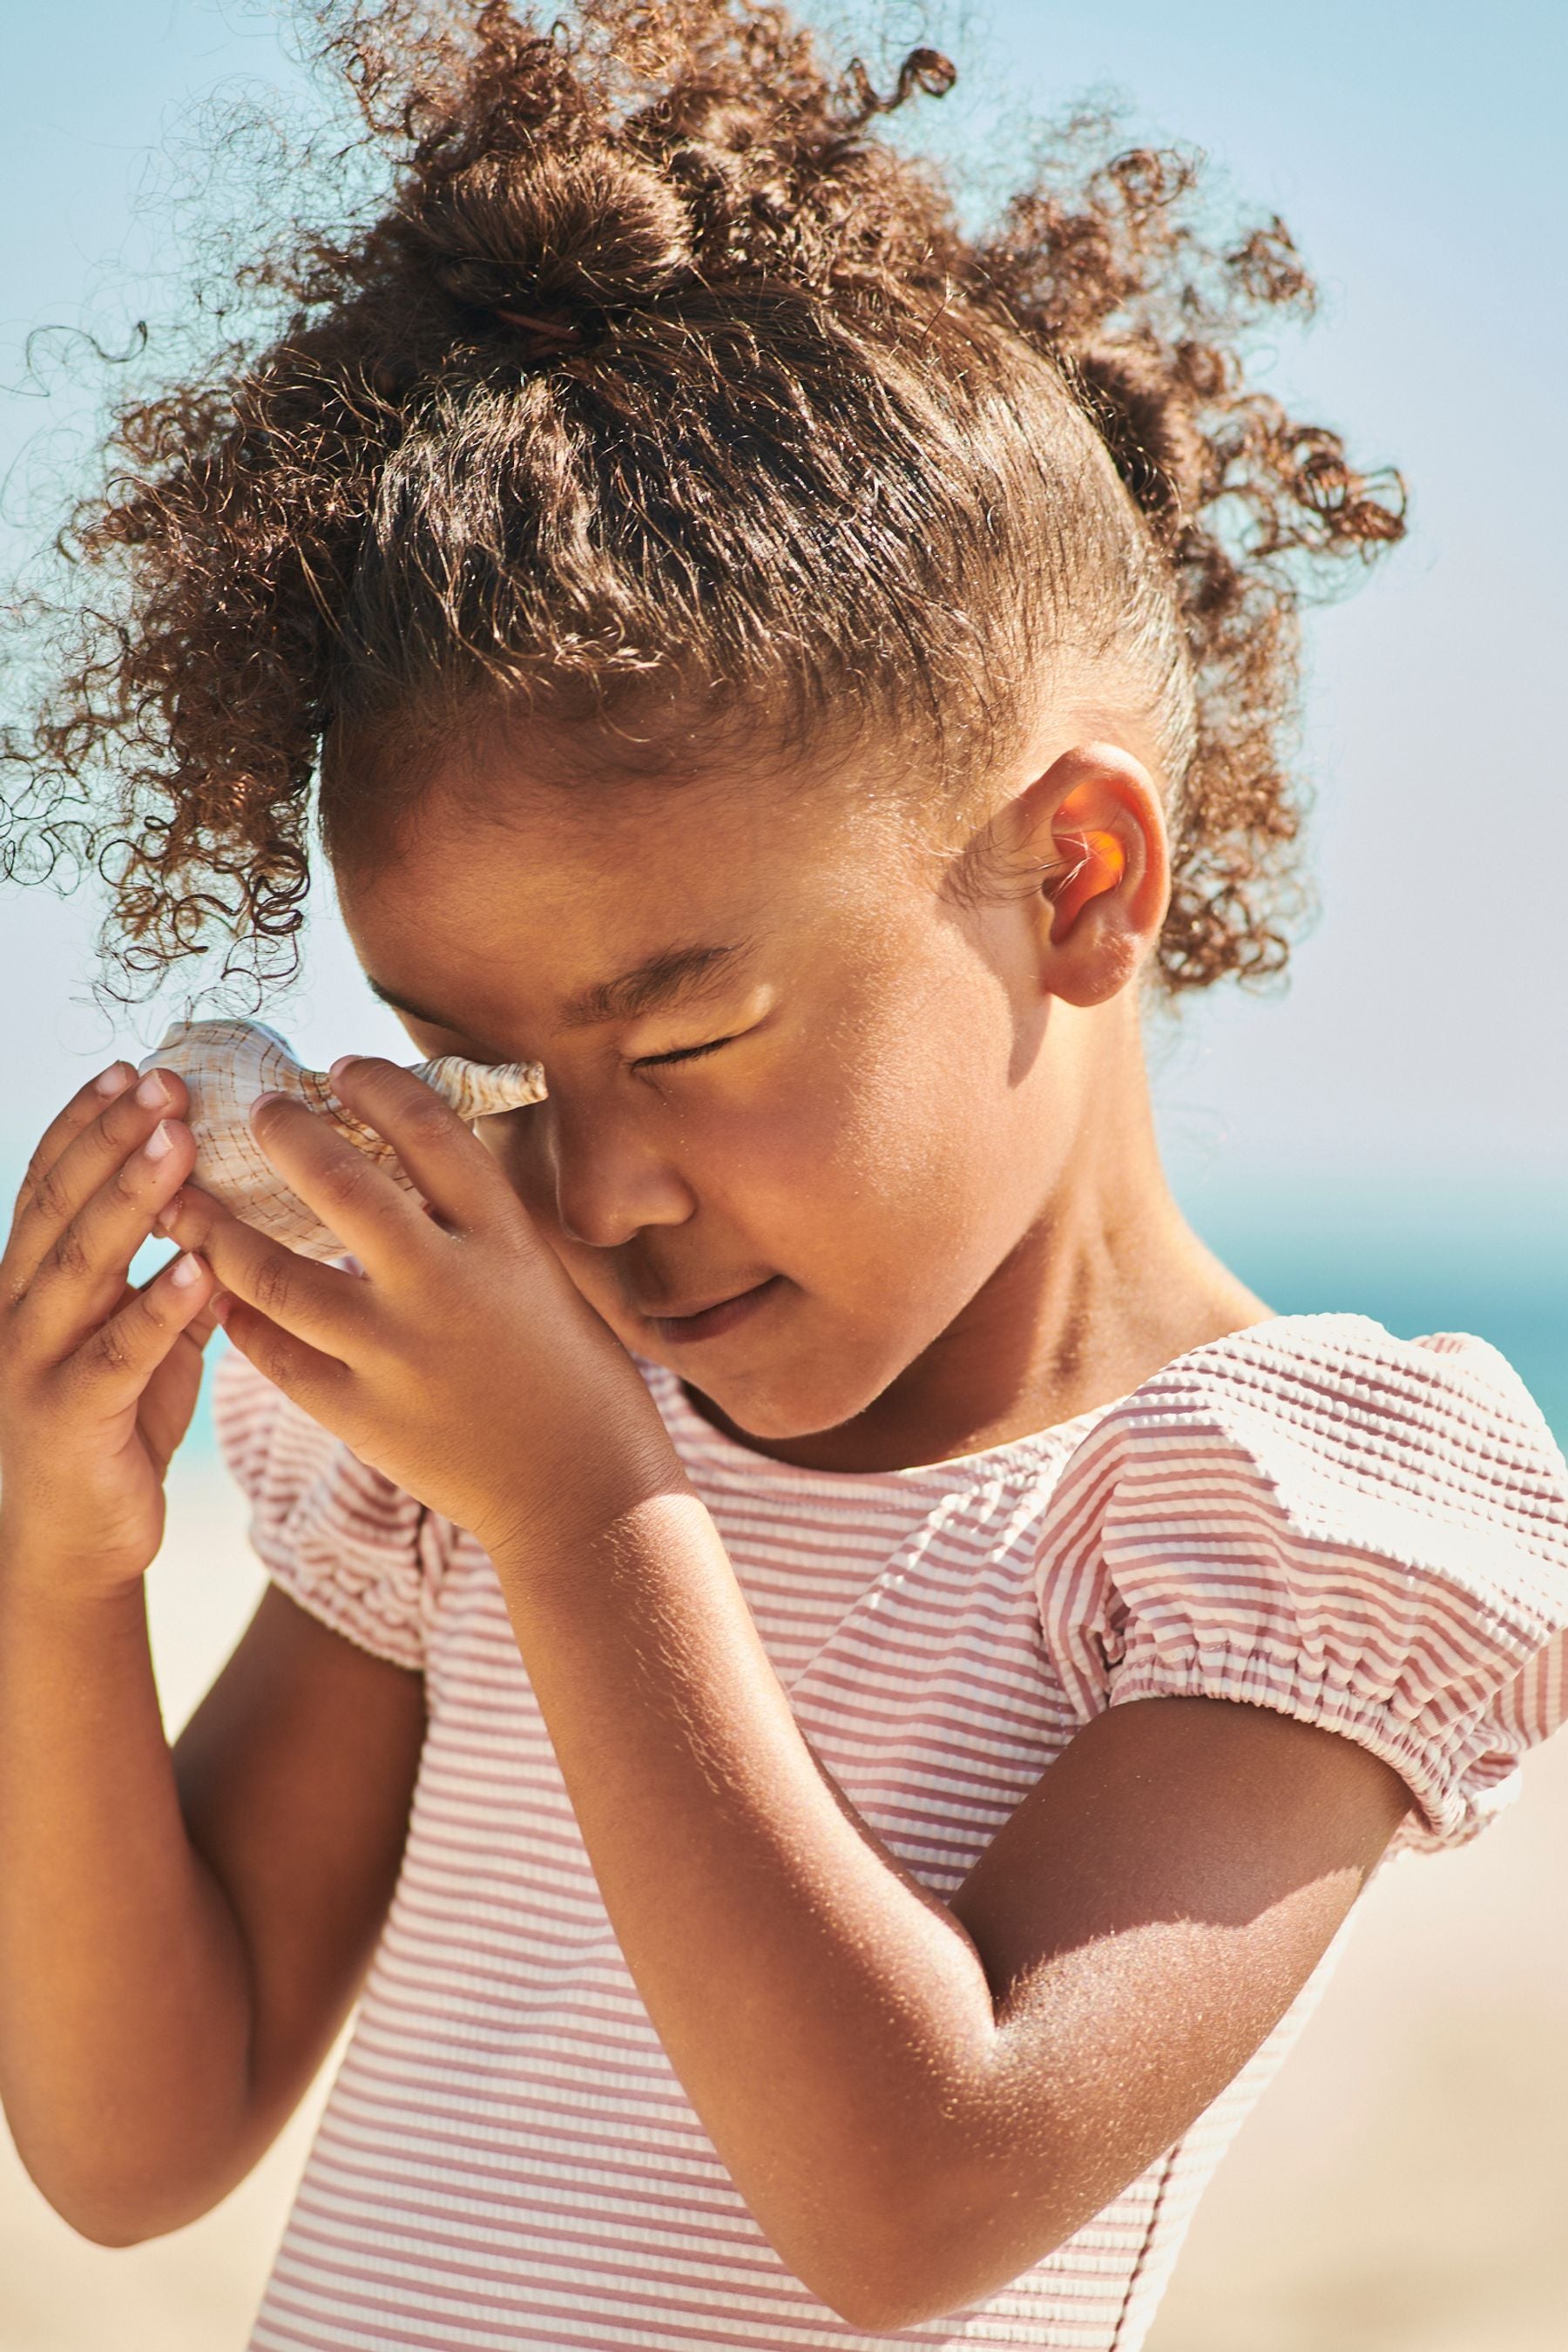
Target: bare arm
[178, 1942]
[920, 2101]
[182, 1936]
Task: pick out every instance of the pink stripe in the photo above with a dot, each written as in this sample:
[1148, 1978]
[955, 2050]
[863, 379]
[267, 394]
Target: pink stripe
[1365, 1532]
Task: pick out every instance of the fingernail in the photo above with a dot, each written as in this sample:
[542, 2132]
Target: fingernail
[220, 1302]
[185, 1270]
[114, 1080]
[344, 1062]
[260, 1101]
[158, 1143]
[168, 1216]
[153, 1092]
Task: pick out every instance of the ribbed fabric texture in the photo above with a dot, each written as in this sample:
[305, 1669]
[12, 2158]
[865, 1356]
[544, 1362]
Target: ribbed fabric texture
[1365, 1532]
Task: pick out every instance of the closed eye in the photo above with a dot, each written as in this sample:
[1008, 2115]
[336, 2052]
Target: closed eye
[685, 1054]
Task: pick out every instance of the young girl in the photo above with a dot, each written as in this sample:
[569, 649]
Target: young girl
[831, 1677]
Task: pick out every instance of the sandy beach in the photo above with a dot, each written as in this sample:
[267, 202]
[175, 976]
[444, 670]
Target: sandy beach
[1400, 2189]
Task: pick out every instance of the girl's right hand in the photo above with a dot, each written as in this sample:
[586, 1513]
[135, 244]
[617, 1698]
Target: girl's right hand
[97, 1379]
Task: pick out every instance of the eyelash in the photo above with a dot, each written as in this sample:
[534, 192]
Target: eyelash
[686, 1054]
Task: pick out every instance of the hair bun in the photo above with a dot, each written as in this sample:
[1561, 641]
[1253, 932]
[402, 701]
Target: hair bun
[565, 235]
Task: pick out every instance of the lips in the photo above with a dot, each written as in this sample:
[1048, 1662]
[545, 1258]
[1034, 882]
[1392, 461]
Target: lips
[717, 1321]
[699, 1306]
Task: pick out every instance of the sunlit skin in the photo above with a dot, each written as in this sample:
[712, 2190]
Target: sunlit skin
[931, 1121]
[933, 1124]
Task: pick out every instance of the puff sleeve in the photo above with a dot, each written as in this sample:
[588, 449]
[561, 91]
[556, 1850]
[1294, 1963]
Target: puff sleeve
[341, 1539]
[1368, 1533]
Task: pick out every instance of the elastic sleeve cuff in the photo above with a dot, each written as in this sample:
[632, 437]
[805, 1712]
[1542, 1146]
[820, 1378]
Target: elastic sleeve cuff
[341, 1539]
[1459, 1781]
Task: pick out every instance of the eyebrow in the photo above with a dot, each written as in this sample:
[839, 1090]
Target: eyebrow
[668, 976]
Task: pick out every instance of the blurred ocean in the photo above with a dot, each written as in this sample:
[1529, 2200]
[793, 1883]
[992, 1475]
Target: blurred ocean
[1438, 1260]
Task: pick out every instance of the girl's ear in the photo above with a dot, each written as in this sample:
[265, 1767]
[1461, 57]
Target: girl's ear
[1093, 826]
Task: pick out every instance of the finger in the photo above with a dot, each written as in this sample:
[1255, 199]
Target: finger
[83, 1107]
[204, 1322]
[101, 1123]
[317, 1381]
[320, 1304]
[355, 1196]
[115, 1363]
[79, 1280]
[81, 1274]
[440, 1151]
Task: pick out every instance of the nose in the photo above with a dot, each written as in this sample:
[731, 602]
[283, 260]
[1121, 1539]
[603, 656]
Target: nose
[610, 1177]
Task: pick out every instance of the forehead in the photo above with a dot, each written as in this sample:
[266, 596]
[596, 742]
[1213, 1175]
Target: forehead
[506, 885]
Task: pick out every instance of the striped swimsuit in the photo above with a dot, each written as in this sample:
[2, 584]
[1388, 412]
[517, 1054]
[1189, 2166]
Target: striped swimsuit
[1365, 1532]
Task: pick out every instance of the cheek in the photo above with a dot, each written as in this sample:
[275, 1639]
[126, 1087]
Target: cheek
[884, 1149]
[870, 1164]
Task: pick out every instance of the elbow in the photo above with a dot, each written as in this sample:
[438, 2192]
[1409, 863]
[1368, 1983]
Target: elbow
[877, 2299]
[859, 2291]
[106, 2221]
[880, 2314]
[94, 2211]
[129, 2211]
[931, 2258]
[876, 2303]
[111, 2205]
[859, 2254]
[129, 2217]
[103, 2227]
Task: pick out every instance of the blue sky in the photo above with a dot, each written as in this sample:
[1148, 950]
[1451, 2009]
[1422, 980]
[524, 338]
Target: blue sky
[1406, 1094]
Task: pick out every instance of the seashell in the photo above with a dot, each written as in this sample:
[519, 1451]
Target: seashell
[227, 1064]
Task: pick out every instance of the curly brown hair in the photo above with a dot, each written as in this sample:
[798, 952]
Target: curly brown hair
[662, 379]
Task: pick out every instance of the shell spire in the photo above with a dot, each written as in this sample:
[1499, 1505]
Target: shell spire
[481, 1089]
[227, 1064]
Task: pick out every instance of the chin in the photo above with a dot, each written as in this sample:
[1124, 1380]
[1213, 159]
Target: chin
[778, 1408]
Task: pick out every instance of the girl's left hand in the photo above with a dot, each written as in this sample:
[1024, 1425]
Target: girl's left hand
[464, 1364]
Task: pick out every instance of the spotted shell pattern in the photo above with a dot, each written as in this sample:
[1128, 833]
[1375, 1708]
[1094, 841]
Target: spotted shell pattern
[227, 1064]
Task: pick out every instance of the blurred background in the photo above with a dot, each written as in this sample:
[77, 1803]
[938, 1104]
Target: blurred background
[1389, 1133]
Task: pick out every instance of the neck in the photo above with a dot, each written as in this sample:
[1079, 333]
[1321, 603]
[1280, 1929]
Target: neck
[1107, 1283]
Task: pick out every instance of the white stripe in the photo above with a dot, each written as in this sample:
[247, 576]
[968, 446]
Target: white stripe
[1366, 1532]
